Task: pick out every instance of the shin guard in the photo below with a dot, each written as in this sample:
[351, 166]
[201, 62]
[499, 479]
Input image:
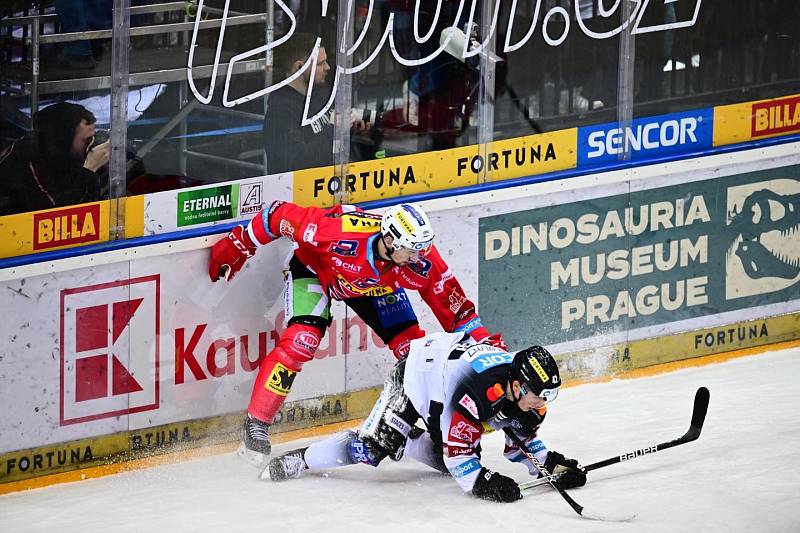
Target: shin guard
[279, 368]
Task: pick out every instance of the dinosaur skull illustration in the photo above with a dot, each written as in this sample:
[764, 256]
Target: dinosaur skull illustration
[769, 227]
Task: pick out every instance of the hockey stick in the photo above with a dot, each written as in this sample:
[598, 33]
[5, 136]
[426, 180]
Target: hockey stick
[701, 398]
[549, 478]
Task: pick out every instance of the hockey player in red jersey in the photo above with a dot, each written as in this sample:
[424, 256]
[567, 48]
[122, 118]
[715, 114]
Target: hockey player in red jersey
[364, 259]
[460, 389]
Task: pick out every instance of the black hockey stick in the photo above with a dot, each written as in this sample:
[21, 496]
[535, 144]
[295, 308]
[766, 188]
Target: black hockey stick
[549, 478]
[701, 398]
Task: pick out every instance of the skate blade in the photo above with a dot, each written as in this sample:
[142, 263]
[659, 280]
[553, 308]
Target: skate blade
[264, 475]
[259, 460]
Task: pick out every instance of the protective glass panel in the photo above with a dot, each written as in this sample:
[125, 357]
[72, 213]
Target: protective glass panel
[558, 65]
[694, 53]
[54, 96]
[194, 113]
[408, 69]
[556, 68]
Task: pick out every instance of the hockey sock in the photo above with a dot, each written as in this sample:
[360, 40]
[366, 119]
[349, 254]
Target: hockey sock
[279, 369]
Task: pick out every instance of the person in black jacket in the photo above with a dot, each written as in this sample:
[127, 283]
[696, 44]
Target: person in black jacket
[55, 165]
[288, 144]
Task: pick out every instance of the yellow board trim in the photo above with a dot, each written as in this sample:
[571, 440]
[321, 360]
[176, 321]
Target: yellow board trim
[18, 232]
[733, 123]
[110, 454]
[134, 216]
[426, 172]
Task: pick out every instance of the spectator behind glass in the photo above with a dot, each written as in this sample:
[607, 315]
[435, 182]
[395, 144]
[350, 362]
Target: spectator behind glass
[79, 16]
[288, 145]
[55, 165]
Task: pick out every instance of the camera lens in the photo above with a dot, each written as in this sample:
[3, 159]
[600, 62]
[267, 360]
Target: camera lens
[101, 136]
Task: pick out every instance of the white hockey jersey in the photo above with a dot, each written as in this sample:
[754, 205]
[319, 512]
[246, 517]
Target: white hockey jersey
[458, 387]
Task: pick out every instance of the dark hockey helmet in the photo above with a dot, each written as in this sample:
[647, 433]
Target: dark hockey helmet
[537, 371]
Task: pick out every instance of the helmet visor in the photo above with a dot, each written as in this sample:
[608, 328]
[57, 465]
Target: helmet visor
[547, 395]
[424, 249]
[417, 250]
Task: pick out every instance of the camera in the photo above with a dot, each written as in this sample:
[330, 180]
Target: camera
[100, 136]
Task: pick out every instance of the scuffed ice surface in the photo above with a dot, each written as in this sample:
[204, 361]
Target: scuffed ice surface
[742, 475]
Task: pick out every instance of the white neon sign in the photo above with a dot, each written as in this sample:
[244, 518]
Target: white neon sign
[463, 46]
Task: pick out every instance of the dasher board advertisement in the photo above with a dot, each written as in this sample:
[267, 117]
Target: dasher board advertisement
[618, 262]
[105, 349]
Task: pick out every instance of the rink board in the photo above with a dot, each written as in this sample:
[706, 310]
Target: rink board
[124, 354]
[638, 255]
[71, 226]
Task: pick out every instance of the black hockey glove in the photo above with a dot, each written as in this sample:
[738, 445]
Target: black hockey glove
[496, 487]
[572, 474]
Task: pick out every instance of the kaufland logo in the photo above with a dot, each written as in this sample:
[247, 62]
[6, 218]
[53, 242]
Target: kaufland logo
[109, 349]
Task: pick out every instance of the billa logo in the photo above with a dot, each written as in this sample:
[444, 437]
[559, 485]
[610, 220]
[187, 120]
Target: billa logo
[63, 227]
[776, 116]
[762, 237]
[109, 349]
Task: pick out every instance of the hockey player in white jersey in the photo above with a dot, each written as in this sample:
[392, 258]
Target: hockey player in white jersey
[460, 389]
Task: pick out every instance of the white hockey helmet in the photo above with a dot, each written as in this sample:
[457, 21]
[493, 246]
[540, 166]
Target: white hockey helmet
[409, 226]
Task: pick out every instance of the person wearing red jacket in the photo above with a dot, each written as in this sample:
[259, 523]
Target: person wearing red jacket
[363, 259]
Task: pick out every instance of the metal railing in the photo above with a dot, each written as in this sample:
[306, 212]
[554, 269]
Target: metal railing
[33, 86]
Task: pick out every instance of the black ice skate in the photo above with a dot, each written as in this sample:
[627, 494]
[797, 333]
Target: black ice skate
[255, 446]
[287, 466]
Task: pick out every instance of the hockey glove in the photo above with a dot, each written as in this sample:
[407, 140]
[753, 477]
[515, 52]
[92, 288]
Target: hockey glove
[481, 334]
[497, 341]
[571, 473]
[496, 487]
[229, 254]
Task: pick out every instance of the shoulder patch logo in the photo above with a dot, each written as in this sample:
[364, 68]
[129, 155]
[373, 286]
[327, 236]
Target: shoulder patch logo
[495, 392]
[462, 431]
[360, 224]
[286, 229]
[469, 404]
[310, 233]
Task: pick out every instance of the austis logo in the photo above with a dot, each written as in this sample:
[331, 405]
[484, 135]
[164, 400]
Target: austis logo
[776, 116]
[251, 198]
[73, 225]
[109, 349]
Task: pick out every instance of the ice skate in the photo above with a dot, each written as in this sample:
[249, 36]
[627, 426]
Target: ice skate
[255, 446]
[287, 466]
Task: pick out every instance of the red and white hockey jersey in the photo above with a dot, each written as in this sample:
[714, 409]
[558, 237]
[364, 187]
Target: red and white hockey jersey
[338, 245]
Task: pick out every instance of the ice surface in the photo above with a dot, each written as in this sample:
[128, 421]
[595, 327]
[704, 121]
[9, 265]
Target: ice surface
[742, 475]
